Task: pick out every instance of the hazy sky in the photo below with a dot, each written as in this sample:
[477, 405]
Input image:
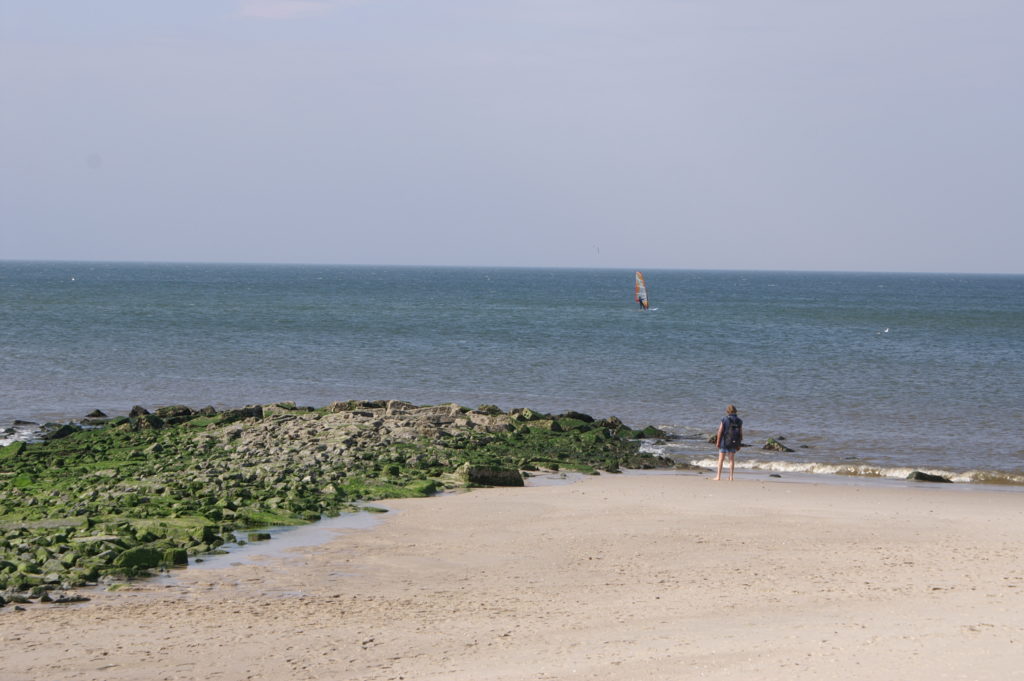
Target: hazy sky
[708, 134]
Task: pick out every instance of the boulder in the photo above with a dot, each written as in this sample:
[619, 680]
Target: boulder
[773, 445]
[489, 476]
[13, 449]
[232, 415]
[62, 432]
[397, 407]
[586, 418]
[921, 476]
[490, 423]
[176, 413]
[138, 410]
[96, 538]
[95, 414]
[141, 557]
[95, 421]
[612, 423]
[567, 424]
[355, 405]
[147, 421]
[437, 414]
[176, 556]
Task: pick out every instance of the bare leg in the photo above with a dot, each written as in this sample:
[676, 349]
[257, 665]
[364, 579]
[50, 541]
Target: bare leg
[732, 464]
[721, 460]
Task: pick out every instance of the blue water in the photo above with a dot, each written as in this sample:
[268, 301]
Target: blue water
[862, 373]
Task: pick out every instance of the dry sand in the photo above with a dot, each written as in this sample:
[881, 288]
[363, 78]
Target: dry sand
[614, 578]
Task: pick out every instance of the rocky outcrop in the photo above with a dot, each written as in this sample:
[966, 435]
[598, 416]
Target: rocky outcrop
[149, 490]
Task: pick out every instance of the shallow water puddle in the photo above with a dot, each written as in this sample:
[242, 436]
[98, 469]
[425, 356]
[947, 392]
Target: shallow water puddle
[284, 539]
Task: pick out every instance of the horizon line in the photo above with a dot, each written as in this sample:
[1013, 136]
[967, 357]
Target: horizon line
[510, 267]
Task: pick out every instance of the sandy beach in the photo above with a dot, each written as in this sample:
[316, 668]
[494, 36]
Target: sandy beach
[616, 577]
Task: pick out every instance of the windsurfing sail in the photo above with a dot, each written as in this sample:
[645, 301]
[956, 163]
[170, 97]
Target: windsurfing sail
[640, 291]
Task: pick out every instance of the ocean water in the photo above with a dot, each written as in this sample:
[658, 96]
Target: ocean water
[862, 374]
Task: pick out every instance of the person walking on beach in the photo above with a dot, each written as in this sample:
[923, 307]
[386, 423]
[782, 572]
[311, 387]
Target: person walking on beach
[729, 440]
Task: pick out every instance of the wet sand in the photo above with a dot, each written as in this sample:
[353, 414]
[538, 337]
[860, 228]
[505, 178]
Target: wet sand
[613, 578]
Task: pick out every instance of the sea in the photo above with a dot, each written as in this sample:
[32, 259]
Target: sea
[866, 376]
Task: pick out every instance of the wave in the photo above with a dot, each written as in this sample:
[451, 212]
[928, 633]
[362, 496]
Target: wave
[26, 432]
[690, 447]
[976, 477]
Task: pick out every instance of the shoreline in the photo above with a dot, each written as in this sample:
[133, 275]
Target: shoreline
[613, 578]
[679, 447]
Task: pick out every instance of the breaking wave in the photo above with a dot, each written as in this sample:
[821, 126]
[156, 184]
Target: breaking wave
[975, 477]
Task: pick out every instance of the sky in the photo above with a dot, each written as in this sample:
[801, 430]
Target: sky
[853, 135]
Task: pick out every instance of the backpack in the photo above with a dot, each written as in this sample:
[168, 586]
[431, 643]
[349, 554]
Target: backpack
[732, 433]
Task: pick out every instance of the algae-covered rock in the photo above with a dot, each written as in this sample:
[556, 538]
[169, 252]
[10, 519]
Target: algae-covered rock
[62, 432]
[146, 421]
[566, 423]
[259, 536]
[356, 405]
[773, 445]
[232, 415]
[12, 450]
[423, 487]
[921, 476]
[612, 423]
[140, 557]
[176, 556]
[176, 413]
[489, 476]
[490, 423]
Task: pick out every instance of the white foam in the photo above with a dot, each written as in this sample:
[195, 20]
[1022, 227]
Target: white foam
[867, 470]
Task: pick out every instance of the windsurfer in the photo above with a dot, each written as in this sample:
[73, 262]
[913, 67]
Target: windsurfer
[640, 291]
